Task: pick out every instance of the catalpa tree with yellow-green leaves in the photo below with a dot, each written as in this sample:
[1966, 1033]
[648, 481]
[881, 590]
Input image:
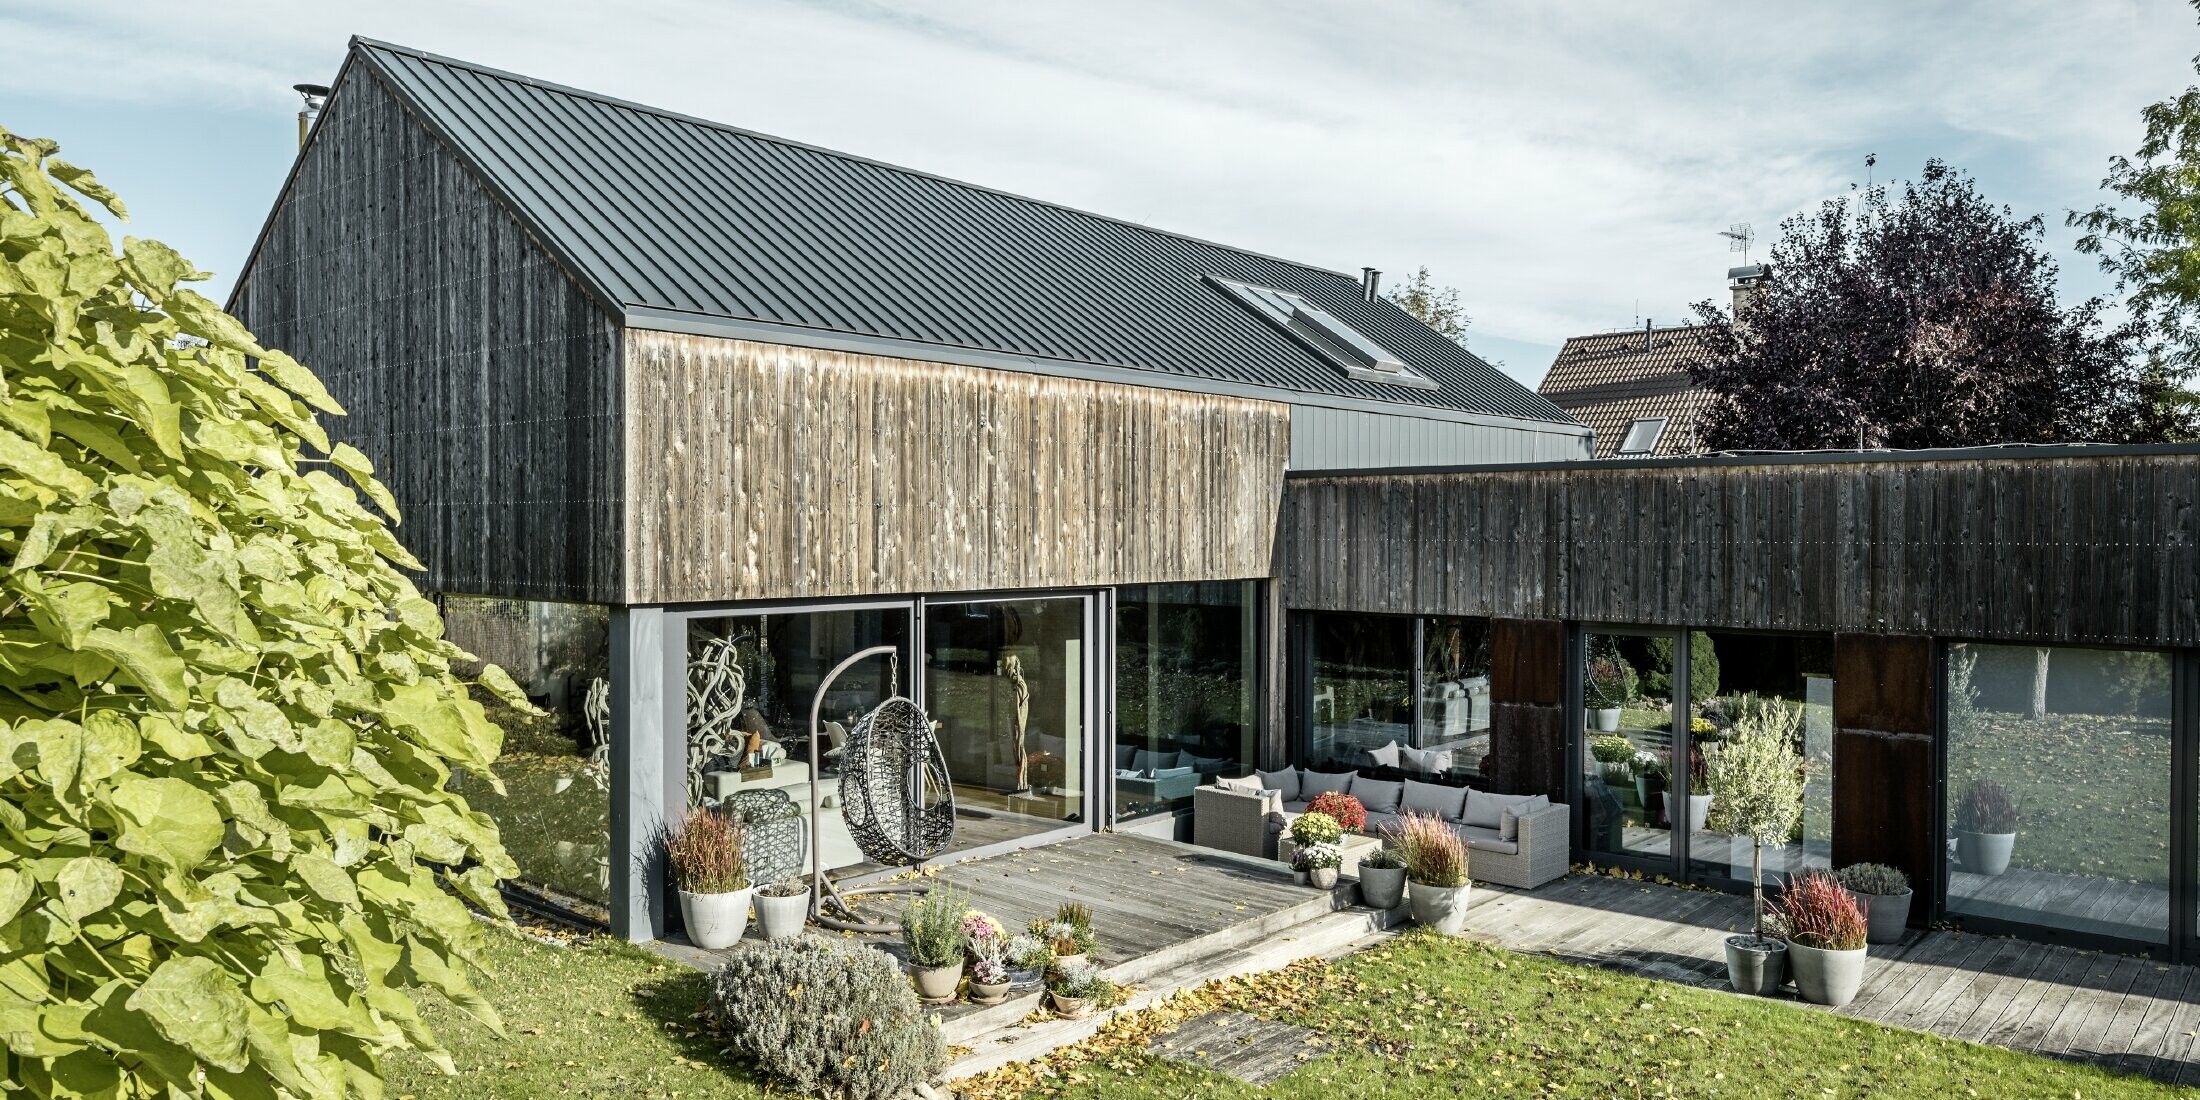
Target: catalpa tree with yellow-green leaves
[228, 857]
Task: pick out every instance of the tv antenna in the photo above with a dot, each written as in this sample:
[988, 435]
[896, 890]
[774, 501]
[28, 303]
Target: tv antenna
[1739, 236]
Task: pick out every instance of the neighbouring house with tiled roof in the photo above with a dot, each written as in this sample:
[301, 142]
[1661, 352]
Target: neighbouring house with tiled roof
[1632, 386]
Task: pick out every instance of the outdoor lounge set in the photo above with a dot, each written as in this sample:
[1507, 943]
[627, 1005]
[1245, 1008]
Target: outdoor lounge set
[1513, 840]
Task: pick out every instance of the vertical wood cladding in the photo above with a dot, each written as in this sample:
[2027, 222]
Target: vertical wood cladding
[1885, 758]
[481, 380]
[1527, 707]
[2077, 548]
[760, 470]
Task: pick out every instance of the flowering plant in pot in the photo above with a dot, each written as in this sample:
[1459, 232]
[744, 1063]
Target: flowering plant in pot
[1826, 935]
[1436, 872]
[1885, 892]
[1308, 830]
[1068, 935]
[706, 860]
[931, 929]
[1756, 785]
[1342, 808]
[1383, 877]
[1077, 990]
[1616, 756]
[1029, 957]
[989, 969]
[1986, 828]
[782, 908]
[1321, 863]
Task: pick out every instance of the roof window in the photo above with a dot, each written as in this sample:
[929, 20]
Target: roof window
[1642, 437]
[1325, 333]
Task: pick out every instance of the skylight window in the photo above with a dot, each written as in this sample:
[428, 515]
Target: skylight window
[1326, 334]
[1642, 437]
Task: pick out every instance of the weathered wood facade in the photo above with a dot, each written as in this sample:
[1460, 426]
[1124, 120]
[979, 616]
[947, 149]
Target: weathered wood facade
[479, 378]
[2099, 548]
[760, 471]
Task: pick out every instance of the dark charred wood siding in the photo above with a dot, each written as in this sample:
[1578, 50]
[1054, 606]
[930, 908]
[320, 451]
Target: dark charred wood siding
[2096, 548]
[481, 380]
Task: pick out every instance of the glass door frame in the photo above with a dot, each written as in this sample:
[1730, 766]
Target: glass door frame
[1674, 864]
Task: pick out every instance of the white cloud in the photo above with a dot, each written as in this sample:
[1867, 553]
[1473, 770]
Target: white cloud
[1560, 163]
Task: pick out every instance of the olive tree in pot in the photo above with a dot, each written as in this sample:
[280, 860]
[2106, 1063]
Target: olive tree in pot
[1756, 785]
[1885, 892]
[1986, 828]
[1383, 878]
[1826, 933]
[932, 930]
[1436, 871]
[706, 861]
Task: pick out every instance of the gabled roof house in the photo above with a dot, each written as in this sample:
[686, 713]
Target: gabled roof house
[1632, 388]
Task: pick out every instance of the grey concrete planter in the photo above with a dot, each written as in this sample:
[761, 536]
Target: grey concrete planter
[1754, 966]
[1829, 978]
[1442, 908]
[715, 921]
[936, 984]
[1888, 916]
[1984, 853]
[779, 917]
[1382, 887]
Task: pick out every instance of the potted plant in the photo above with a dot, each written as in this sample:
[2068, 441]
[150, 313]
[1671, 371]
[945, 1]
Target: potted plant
[1986, 828]
[1383, 878]
[1308, 830]
[1756, 785]
[782, 908]
[1077, 990]
[1029, 958]
[1616, 754]
[1652, 769]
[989, 975]
[1885, 892]
[1436, 872]
[705, 857]
[1342, 808]
[1826, 934]
[1699, 790]
[931, 928]
[1322, 862]
[1610, 684]
[1068, 935]
[977, 928]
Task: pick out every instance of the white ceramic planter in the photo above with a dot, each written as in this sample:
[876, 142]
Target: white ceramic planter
[780, 917]
[988, 994]
[1755, 967]
[715, 921]
[1443, 908]
[1984, 853]
[1887, 916]
[1382, 887]
[1322, 878]
[1607, 719]
[936, 984]
[1699, 812]
[1829, 978]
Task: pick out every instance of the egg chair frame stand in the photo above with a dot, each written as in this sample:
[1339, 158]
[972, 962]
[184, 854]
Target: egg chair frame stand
[823, 891]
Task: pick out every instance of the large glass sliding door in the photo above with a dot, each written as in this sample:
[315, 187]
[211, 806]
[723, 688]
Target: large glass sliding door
[1187, 691]
[1008, 686]
[1628, 701]
[1784, 679]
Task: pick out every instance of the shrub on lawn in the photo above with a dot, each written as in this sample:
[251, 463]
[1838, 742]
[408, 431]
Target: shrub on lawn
[826, 1018]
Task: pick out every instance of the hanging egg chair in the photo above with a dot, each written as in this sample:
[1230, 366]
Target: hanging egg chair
[894, 791]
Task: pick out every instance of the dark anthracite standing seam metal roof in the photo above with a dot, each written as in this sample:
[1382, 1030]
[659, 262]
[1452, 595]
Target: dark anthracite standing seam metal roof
[665, 212]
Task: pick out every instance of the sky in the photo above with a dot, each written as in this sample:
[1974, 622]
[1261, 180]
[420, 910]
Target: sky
[1567, 167]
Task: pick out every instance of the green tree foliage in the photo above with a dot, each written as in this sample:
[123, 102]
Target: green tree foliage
[1703, 667]
[1436, 306]
[227, 855]
[2152, 246]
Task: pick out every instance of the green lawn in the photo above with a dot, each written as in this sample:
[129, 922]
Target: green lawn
[1426, 1017]
[601, 1020]
[2092, 791]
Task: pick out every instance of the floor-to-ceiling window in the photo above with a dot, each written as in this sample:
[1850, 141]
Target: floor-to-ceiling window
[1187, 690]
[1398, 696]
[1627, 743]
[2058, 788]
[1005, 683]
[1781, 680]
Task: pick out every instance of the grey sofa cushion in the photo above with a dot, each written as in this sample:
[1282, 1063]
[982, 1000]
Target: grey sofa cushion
[1250, 784]
[1379, 796]
[1508, 825]
[1380, 823]
[1294, 809]
[1487, 811]
[1434, 798]
[1285, 781]
[1314, 783]
[1487, 840]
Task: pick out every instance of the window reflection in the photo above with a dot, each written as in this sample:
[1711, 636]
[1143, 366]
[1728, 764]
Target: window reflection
[1186, 691]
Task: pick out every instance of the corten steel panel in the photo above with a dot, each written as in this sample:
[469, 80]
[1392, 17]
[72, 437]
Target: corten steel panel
[1884, 806]
[1527, 661]
[1528, 749]
[1883, 682]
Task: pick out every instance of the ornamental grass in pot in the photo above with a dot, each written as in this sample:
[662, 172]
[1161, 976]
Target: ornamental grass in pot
[1436, 872]
[1068, 935]
[1885, 893]
[1756, 785]
[1383, 878]
[1986, 828]
[1826, 935]
[706, 861]
[932, 930]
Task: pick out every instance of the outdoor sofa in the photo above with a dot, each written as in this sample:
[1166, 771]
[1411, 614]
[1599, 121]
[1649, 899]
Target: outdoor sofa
[1248, 815]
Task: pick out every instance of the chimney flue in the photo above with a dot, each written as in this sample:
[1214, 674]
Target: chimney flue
[315, 95]
[1744, 281]
[1371, 282]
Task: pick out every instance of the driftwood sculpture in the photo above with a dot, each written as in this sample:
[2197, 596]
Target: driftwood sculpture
[716, 688]
[1013, 668]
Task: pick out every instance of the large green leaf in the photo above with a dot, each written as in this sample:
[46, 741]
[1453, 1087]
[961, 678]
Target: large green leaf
[195, 1005]
[145, 655]
[167, 820]
[87, 885]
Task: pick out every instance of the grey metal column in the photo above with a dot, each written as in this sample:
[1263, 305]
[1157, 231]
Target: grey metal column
[644, 774]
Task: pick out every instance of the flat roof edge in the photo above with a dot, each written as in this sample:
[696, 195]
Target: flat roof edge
[2004, 451]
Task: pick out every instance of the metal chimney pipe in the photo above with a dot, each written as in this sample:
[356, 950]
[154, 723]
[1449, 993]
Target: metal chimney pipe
[1371, 281]
[315, 95]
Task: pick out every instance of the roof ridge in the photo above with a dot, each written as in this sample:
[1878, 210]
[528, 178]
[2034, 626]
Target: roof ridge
[1636, 331]
[360, 40]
